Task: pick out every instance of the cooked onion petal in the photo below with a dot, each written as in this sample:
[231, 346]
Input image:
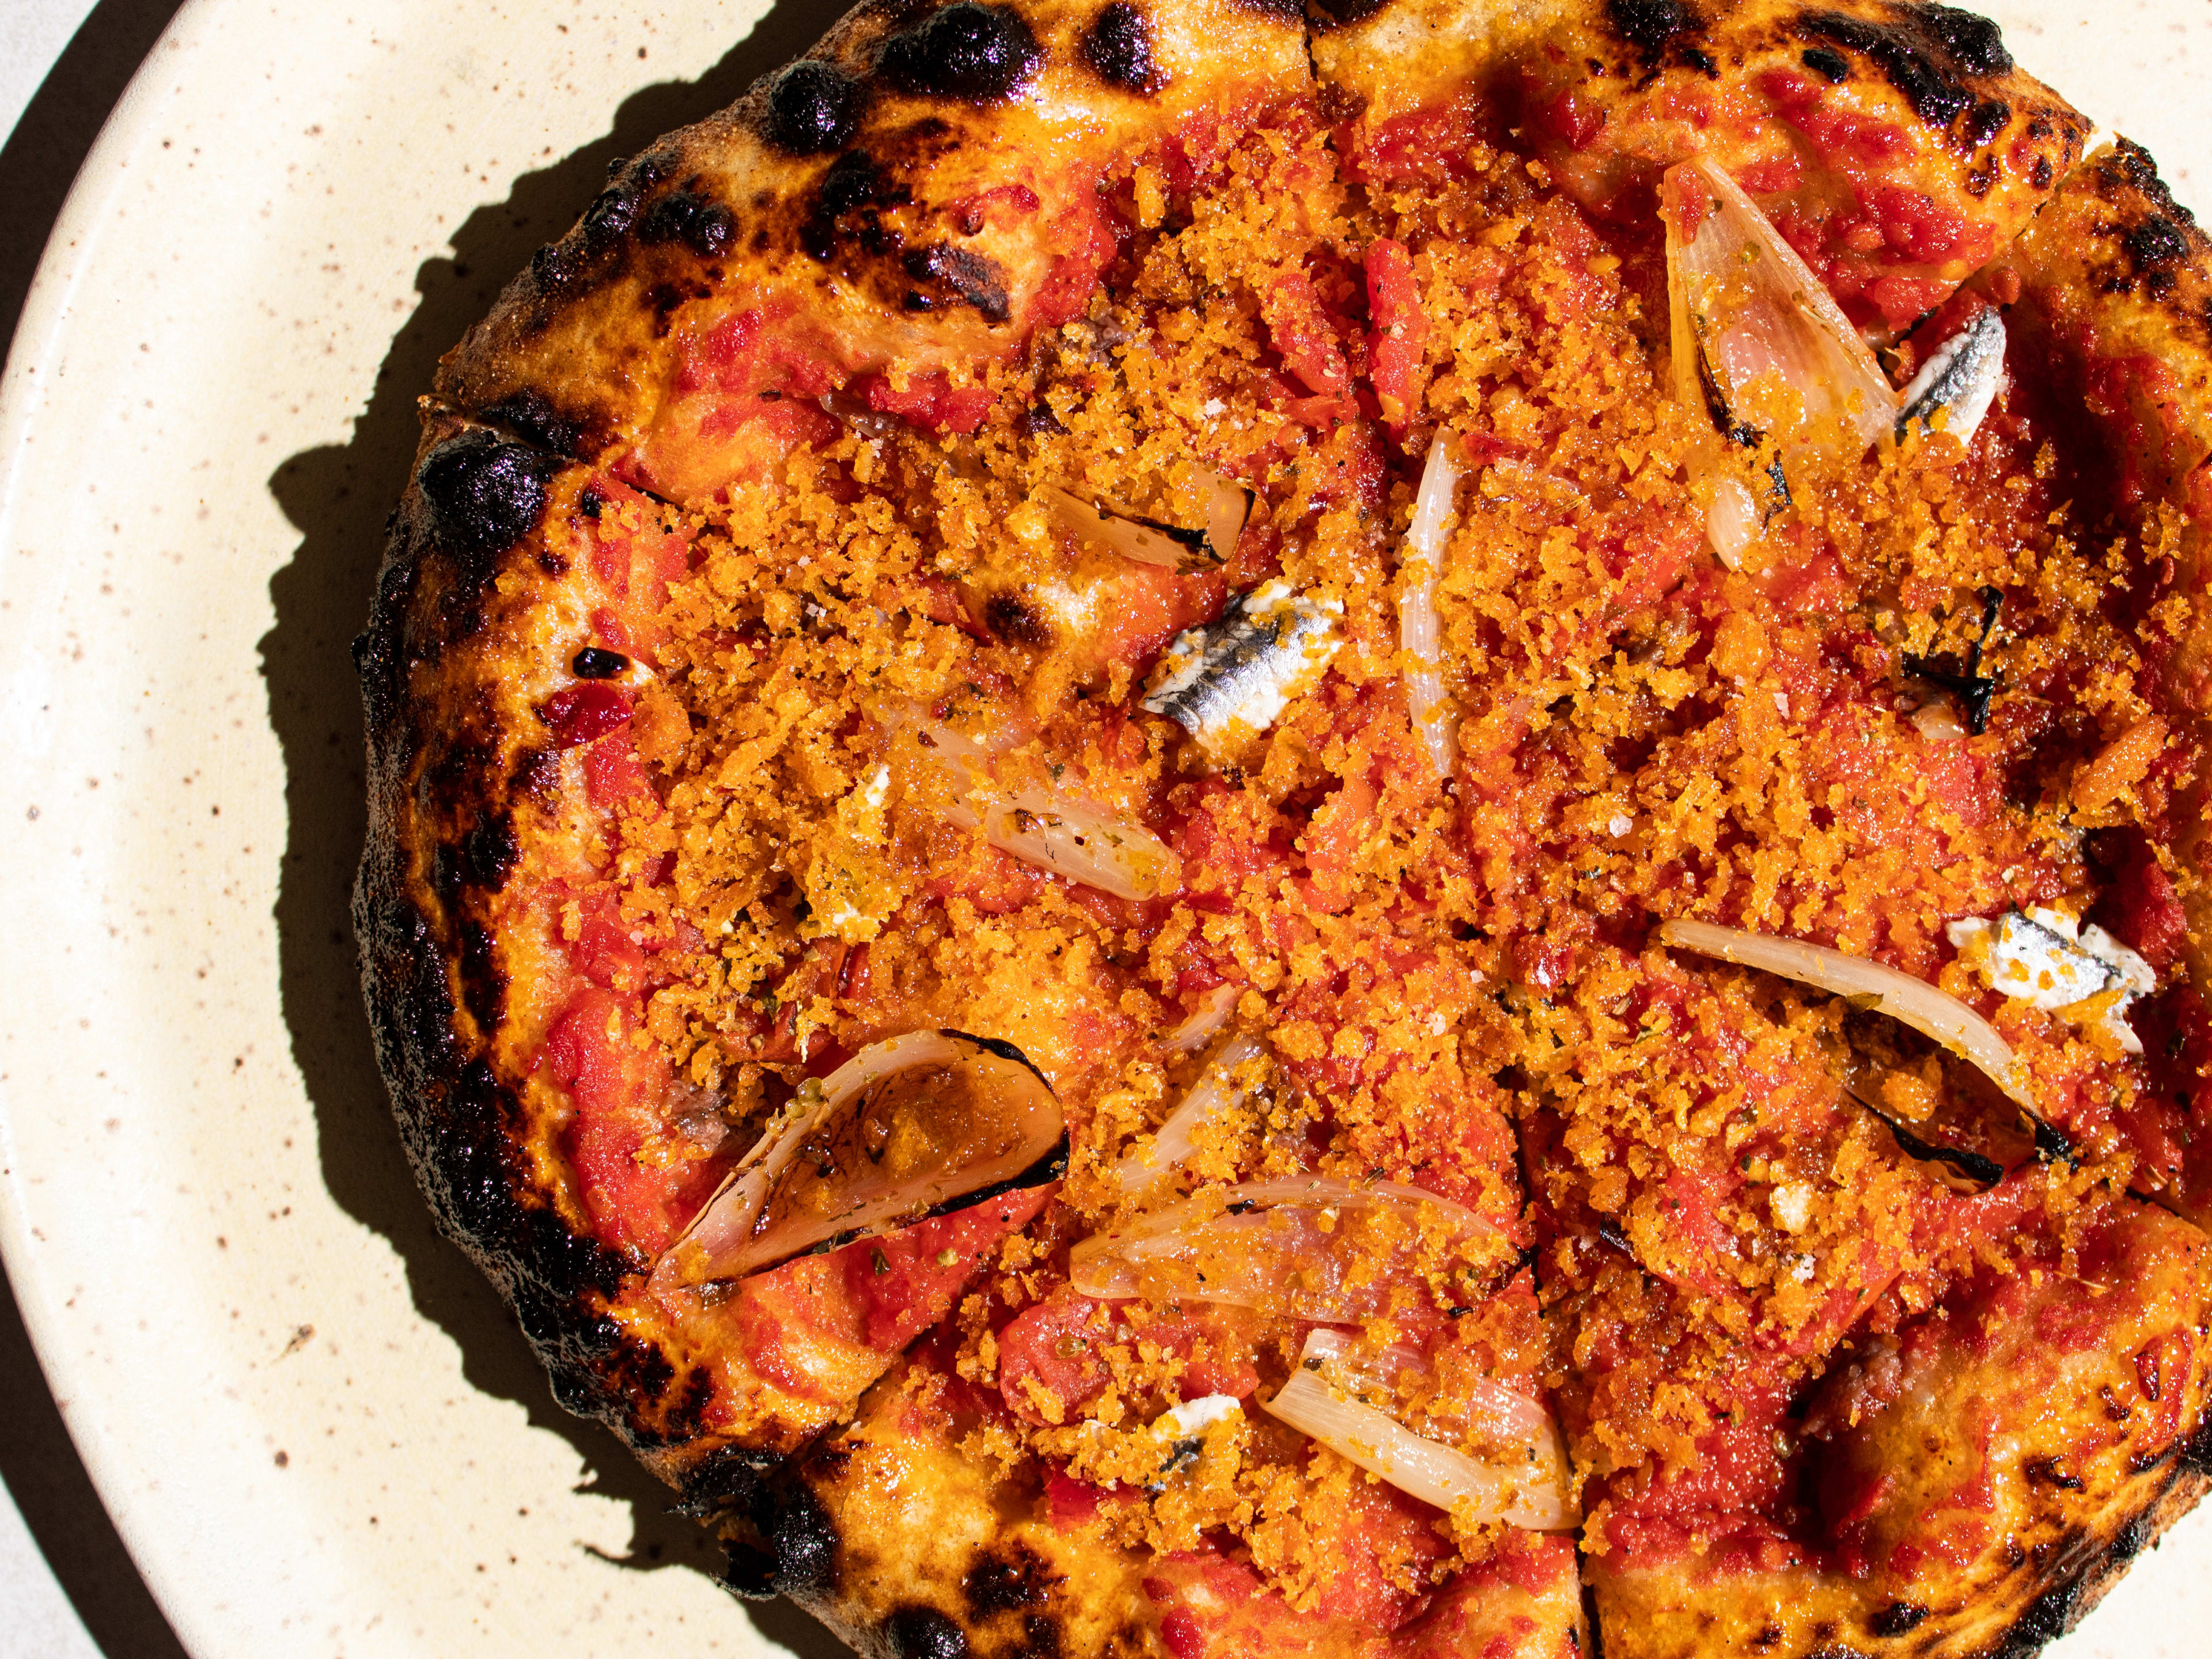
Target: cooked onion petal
[1047, 827]
[1932, 1012]
[1525, 1486]
[1215, 1010]
[1308, 1247]
[1150, 541]
[1219, 1090]
[1753, 324]
[839, 1160]
[1421, 628]
[1732, 522]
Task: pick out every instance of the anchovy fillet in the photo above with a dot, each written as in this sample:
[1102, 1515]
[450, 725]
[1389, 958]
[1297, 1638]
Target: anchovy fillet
[2049, 961]
[1242, 670]
[1961, 376]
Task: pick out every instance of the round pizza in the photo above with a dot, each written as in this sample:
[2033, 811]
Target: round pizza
[1375, 830]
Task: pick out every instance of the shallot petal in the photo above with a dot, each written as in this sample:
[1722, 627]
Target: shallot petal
[1420, 626]
[1218, 1091]
[1150, 541]
[1934, 1013]
[1526, 1486]
[800, 1185]
[1050, 827]
[1307, 1247]
[1750, 320]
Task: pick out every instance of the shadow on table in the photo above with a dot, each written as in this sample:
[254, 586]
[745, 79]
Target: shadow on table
[37, 1463]
[337, 496]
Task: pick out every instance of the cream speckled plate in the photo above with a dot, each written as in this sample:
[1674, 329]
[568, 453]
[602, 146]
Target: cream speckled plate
[316, 1430]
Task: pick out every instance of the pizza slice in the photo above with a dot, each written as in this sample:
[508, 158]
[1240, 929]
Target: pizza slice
[1896, 147]
[2111, 285]
[869, 231]
[1969, 1481]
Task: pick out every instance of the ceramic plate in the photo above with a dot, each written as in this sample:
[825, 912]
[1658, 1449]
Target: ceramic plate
[315, 1425]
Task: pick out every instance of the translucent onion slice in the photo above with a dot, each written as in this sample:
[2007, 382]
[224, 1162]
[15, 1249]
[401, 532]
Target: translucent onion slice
[1421, 628]
[1932, 1012]
[1220, 1090]
[1150, 541]
[1750, 318]
[1732, 521]
[1057, 831]
[1309, 1247]
[1214, 1011]
[838, 1162]
[1524, 1484]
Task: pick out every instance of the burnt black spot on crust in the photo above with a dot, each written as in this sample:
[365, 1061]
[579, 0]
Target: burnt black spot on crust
[1984, 121]
[484, 987]
[924, 1633]
[537, 775]
[1973, 40]
[531, 416]
[1831, 66]
[1925, 52]
[813, 108]
[691, 217]
[2196, 1451]
[1117, 48]
[490, 850]
[749, 1572]
[1651, 26]
[966, 275]
[1011, 617]
[1011, 1582]
[2156, 243]
[1327, 15]
[596, 662]
[2050, 1472]
[1897, 1618]
[803, 1538]
[665, 300]
[484, 494]
[976, 53]
[728, 1479]
[458, 1123]
[848, 207]
[2129, 1541]
[436, 797]
[563, 267]
[2046, 1618]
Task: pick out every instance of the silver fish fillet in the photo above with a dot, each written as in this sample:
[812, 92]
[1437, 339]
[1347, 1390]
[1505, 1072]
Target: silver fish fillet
[1962, 376]
[1234, 677]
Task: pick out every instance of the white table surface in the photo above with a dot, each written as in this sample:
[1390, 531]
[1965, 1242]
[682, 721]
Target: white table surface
[37, 1621]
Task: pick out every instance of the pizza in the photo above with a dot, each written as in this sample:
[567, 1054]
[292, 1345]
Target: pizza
[1212, 828]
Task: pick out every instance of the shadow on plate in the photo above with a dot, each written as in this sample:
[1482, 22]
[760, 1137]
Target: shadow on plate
[338, 497]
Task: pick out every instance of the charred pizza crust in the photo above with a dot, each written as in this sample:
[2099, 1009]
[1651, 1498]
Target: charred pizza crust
[848, 188]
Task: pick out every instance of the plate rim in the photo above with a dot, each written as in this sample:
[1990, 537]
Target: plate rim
[39, 334]
[40, 337]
